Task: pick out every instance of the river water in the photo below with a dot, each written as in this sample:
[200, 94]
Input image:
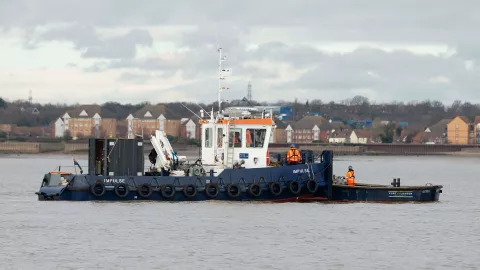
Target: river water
[219, 235]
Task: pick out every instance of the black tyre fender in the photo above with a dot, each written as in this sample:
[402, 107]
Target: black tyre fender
[117, 192]
[294, 187]
[141, 193]
[255, 189]
[231, 192]
[189, 194]
[210, 194]
[98, 189]
[275, 188]
[312, 186]
[166, 193]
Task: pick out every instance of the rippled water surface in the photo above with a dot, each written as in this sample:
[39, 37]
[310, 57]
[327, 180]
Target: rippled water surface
[211, 235]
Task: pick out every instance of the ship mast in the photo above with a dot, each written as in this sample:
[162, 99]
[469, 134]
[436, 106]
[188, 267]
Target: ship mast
[219, 78]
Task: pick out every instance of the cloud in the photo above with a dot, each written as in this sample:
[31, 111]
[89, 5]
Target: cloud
[82, 36]
[138, 78]
[299, 56]
[391, 75]
[120, 47]
[393, 21]
[309, 49]
[86, 39]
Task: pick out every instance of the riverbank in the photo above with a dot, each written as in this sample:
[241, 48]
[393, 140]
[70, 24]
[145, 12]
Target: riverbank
[65, 148]
[194, 154]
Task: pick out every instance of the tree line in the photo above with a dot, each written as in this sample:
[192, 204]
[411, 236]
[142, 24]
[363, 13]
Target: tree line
[426, 112]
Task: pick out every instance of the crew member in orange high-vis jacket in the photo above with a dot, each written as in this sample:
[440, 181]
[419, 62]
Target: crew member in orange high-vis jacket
[293, 155]
[350, 176]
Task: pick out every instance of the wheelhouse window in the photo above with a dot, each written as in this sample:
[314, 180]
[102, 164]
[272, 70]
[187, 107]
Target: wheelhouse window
[220, 137]
[255, 137]
[55, 179]
[235, 138]
[208, 138]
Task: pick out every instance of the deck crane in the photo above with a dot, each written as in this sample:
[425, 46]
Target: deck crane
[166, 159]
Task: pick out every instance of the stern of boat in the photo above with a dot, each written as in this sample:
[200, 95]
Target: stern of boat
[432, 193]
[53, 185]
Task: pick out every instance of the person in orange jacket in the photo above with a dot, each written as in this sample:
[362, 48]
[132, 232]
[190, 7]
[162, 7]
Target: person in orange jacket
[293, 155]
[350, 176]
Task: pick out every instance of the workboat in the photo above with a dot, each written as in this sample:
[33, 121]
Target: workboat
[234, 165]
[383, 193]
[230, 169]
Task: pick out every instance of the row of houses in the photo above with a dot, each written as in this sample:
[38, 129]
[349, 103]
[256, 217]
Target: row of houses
[93, 121]
[311, 129]
[458, 130]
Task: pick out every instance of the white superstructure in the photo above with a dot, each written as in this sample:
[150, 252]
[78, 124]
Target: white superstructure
[238, 140]
[236, 137]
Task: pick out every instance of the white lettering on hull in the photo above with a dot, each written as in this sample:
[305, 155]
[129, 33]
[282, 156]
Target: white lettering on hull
[114, 181]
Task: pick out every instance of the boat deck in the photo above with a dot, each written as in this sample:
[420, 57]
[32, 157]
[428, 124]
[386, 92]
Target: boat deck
[389, 187]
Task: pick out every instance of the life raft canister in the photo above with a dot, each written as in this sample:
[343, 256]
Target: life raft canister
[268, 158]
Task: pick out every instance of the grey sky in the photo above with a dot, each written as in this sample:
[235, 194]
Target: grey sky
[306, 49]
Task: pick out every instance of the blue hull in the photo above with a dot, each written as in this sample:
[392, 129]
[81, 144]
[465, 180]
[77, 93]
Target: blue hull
[303, 182]
[372, 193]
[69, 195]
[282, 183]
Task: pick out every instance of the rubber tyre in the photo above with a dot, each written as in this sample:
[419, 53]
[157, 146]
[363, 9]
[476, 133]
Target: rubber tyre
[255, 190]
[116, 190]
[187, 193]
[207, 190]
[312, 186]
[94, 189]
[142, 194]
[275, 188]
[231, 192]
[294, 187]
[167, 194]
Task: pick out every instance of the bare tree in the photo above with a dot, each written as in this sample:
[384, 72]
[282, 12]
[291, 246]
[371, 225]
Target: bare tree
[359, 100]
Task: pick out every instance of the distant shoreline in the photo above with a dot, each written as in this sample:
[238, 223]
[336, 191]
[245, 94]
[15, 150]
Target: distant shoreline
[338, 149]
[191, 153]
